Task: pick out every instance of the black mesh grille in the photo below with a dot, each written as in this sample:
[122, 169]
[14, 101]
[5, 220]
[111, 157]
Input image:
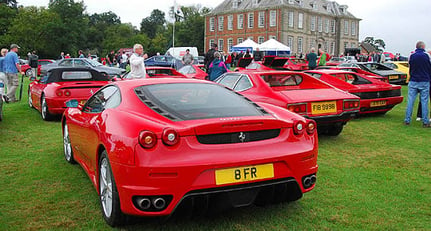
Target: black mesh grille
[378, 94]
[238, 137]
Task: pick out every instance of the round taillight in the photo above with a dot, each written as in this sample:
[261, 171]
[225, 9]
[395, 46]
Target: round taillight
[298, 127]
[67, 93]
[311, 127]
[59, 93]
[147, 139]
[170, 137]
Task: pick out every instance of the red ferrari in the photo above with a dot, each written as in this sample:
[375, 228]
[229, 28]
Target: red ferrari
[49, 93]
[331, 108]
[296, 64]
[376, 96]
[356, 70]
[155, 146]
[194, 71]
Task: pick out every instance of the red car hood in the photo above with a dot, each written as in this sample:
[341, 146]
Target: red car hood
[316, 95]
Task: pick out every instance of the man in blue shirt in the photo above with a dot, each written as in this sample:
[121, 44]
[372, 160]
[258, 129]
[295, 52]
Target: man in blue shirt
[11, 67]
[420, 76]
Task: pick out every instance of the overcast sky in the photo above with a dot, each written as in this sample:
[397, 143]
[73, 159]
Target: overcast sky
[399, 23]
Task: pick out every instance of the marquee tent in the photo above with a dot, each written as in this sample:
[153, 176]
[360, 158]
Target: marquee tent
[247, 44]
[274, 47]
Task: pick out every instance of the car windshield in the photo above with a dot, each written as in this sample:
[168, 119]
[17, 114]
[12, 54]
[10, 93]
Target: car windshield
[190, 101]
[94, 63]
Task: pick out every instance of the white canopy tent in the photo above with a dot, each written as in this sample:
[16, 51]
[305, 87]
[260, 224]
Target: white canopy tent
[274, 47]
[244, 46]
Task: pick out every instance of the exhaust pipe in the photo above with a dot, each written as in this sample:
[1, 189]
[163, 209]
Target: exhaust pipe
[307, 182]
[313, 179]
[159, 203]
[144, 203]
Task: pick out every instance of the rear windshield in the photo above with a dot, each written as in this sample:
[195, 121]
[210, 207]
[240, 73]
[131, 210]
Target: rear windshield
[189, 101]
[278, 80]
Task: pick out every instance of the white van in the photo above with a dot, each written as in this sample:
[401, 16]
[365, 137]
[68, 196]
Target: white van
[179, 52]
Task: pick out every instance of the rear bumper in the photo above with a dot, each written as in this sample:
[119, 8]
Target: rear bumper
[332, 119]
[366, 107]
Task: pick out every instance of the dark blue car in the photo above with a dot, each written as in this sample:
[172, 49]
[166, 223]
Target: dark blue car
[164, 61]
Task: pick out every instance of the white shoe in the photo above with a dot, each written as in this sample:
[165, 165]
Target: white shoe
[418, 119]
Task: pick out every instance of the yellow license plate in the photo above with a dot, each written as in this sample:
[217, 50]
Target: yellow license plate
[244, 173]
[323, 107]
[378, 103]
[393, 77]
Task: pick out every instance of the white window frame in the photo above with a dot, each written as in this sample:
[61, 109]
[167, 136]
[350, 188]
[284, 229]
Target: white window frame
[211, 42]
[300, 45]
[290, 42]
[229, 43]
[333, 27]
[346, 27]
[319, 24]
[230, 22]
[300, 20]
[353, 28]
[240, 23]
[220, 43]
[273, 18]
[260, 39]
[290, 15]
[212, 24]
[239, 40]
[313, 23]
[220, 23]
[326, 25]
[250, 18]
[261, 19]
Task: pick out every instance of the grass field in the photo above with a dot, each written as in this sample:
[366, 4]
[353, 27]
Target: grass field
[374, 176]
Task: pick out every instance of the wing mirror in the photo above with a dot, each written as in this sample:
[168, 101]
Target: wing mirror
[73, 103]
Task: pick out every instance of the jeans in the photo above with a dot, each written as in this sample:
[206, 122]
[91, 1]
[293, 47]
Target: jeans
[423, 89]
[419, 113]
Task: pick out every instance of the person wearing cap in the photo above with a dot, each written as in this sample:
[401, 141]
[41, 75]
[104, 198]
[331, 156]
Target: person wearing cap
[11, 68]
[188, 58]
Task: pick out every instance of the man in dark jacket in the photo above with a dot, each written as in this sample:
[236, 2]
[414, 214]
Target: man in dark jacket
[33, 62]
[209, 56]
[420, 76]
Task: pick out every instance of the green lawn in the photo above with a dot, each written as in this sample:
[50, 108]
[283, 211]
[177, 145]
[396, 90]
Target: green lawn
[374, 176]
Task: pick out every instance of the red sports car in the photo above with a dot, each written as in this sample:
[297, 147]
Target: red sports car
[49, 93]
[376, 96]
[269, 63]
[296, 64]
[331, 108]
[159, 72]
[155, 146]
[356, 70]
[28, 71]
[194, 71]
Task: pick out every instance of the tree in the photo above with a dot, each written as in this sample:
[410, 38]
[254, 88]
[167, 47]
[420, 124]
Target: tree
[7, 15]
[154, 23]
[378, 44]
[98, 24]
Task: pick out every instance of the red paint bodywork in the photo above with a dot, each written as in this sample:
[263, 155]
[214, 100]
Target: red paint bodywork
[356, 70]
[296, 64]
[25, 67]
[340, 79]
[189, 165]
[311, 90]
[79, 90]
[194, 71]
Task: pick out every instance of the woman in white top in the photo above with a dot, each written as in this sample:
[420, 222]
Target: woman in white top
[137, 66]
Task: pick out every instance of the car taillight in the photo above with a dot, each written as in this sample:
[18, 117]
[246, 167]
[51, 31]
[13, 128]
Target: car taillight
[310, 127]
[351, 104]
[297, 108]
[147, 139]
[66, 93]
[298, 127]
[170, 137]
[59, 93]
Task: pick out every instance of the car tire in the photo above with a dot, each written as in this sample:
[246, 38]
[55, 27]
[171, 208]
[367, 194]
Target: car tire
[30, 101]
[335, 130]
[44, 110]
[67, 146]
[29, 72]
[108, 194]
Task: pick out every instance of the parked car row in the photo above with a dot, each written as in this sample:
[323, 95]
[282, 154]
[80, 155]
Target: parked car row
[175, 142]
